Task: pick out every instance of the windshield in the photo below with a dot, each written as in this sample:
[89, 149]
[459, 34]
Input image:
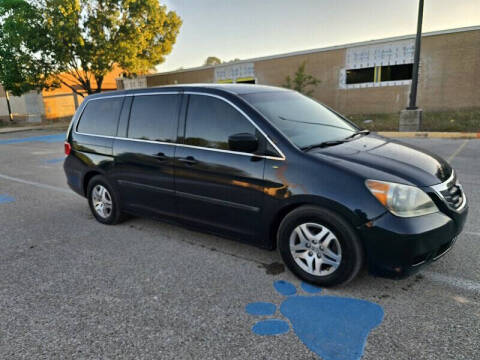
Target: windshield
[303, 120]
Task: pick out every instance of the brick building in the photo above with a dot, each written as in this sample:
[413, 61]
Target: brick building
[371, 77]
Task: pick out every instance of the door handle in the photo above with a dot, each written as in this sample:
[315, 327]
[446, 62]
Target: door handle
[160, 156]
[189, 160]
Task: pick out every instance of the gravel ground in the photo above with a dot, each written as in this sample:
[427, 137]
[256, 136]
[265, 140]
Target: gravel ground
[73, 288]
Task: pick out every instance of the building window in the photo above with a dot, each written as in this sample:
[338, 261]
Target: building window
[246, 80]
[378, 74]
[359, 76]
[396, 72]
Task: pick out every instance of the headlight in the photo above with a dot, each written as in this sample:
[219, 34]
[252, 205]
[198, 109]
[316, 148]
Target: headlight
[401, 200]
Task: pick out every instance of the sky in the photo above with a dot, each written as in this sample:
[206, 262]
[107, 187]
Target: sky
[246, 29]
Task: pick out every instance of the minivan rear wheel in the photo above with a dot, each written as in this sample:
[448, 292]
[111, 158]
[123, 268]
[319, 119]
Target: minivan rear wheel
[319, 246]
[103, 201]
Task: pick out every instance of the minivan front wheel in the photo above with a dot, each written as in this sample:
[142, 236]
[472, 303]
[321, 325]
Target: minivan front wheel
[103, 201]
[319, 246]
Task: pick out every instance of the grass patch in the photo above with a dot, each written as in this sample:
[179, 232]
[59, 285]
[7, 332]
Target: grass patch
[461, 121]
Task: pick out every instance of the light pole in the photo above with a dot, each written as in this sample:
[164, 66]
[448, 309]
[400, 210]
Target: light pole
[411, 117]
[416, 61]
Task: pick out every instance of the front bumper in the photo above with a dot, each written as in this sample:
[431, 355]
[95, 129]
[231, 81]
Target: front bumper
[398, 247]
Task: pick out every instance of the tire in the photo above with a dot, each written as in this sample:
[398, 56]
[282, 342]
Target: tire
[324, 263]
[112, 213]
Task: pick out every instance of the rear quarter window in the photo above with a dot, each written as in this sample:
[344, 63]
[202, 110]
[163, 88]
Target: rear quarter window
[100, 117]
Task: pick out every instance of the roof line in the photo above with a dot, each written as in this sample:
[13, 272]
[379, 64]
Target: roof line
[329, 48]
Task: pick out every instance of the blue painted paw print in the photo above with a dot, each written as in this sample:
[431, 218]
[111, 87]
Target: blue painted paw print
[5, 199]
[335, 328]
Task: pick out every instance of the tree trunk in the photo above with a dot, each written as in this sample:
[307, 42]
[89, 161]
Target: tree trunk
[88, 87]
[7, 97]
[99, 80]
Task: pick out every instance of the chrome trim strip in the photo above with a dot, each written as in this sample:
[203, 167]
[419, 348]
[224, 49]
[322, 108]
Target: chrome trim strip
[102, 136]
[439, 255]
[444, 186]
[230, 152]
[136, 94]
[184, 145]
[420, 263]
[124, 138]
[282, 158]
[460, 208]
[446, 251]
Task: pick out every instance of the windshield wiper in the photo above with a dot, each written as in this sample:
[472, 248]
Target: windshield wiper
[359, 132]
[324, 144]
[335, 142]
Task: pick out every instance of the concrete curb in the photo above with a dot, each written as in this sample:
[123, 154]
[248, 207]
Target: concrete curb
[8, 130]
[430, 134]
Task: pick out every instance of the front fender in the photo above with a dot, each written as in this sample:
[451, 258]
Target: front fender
[290, 184]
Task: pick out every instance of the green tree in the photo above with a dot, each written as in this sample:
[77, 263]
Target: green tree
[301, 81]
[45, 43]
[212, 60]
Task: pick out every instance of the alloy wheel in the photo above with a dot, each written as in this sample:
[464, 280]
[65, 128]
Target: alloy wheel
[315, 249]
[102, 201]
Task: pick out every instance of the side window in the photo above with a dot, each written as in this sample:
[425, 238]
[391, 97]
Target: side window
[210, 121]
[100, 117]
[154, 117]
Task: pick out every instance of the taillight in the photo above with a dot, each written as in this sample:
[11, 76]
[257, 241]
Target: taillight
[68, 148]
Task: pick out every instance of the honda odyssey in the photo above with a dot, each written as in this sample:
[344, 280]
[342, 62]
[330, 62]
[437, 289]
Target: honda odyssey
[270, 167]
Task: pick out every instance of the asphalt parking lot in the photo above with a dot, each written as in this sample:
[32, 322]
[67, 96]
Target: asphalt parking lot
[73, 288]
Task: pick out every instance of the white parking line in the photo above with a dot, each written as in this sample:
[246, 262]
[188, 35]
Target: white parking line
[445, 279]
[46, 152]
[472, 233]
[453, 281]
[37, 184]
[460, 148]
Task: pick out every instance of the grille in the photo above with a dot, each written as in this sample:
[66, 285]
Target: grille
[453, 196]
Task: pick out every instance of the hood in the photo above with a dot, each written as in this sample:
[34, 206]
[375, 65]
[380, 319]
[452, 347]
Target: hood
[415, 165]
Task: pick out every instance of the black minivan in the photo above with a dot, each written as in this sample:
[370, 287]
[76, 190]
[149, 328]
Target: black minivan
[268, 166]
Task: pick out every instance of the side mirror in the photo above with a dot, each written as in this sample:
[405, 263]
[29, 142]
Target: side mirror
[243, 142]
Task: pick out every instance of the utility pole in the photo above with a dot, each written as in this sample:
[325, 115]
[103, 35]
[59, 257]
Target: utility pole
[411, 117]
[416, 61]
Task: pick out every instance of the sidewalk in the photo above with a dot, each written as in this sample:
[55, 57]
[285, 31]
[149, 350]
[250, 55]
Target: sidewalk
[59, 126]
